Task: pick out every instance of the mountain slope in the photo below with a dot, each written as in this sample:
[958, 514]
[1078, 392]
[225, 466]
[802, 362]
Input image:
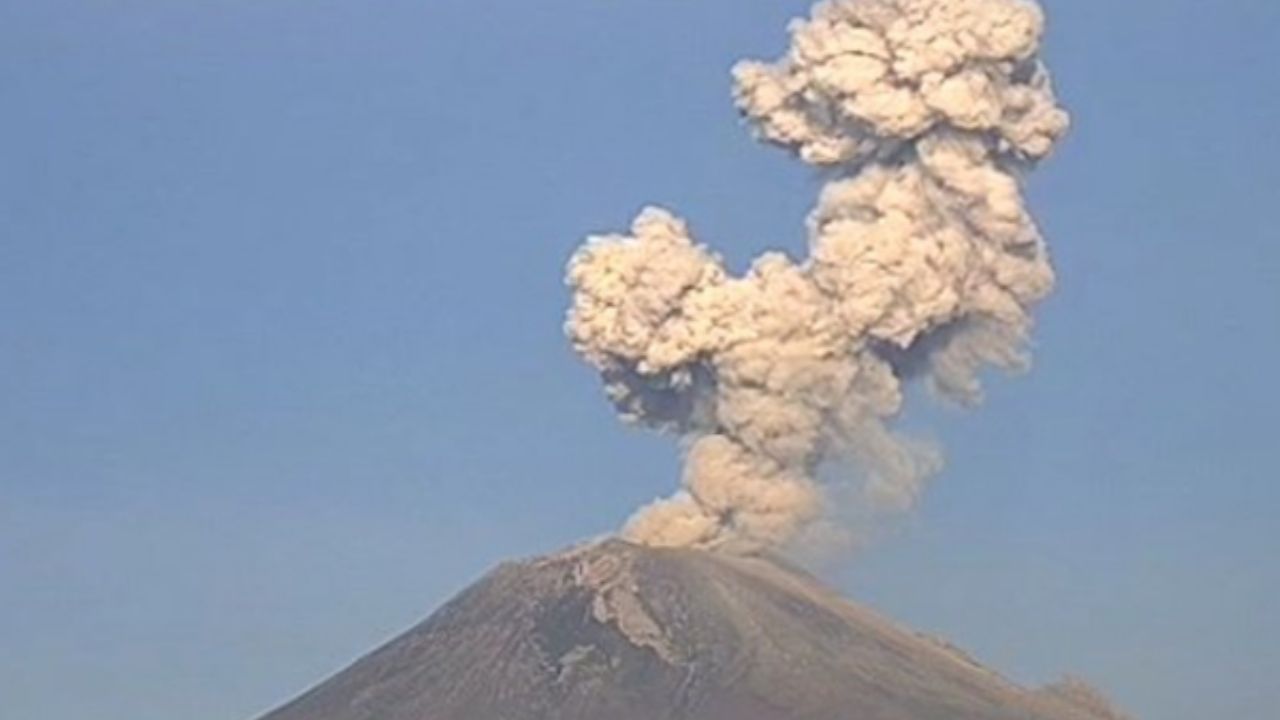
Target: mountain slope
[614, 631]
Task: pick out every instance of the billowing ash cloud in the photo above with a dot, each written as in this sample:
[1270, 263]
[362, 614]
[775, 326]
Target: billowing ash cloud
[924, 262]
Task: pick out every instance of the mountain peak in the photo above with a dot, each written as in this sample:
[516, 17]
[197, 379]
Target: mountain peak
[615, 631]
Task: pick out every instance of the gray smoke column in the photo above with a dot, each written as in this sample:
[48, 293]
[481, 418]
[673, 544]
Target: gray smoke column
[924, 263]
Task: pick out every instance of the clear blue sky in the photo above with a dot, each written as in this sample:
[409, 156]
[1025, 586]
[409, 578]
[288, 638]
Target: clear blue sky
[281, 364]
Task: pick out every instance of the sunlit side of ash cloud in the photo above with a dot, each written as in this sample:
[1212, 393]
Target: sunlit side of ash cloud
[924, 263]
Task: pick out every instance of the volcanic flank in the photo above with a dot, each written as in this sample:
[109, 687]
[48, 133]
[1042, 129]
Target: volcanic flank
[618, 631]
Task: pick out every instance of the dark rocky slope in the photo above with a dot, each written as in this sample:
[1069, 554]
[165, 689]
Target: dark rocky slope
[613, 631]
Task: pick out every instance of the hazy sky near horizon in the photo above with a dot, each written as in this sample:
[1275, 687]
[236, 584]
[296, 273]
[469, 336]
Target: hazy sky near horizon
[281, 363]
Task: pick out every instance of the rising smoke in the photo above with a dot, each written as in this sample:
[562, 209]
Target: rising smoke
[924, 263]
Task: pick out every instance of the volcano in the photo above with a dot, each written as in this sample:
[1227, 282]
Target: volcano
[616, 631]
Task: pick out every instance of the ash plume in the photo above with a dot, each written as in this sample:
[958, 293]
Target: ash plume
[924, 263]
